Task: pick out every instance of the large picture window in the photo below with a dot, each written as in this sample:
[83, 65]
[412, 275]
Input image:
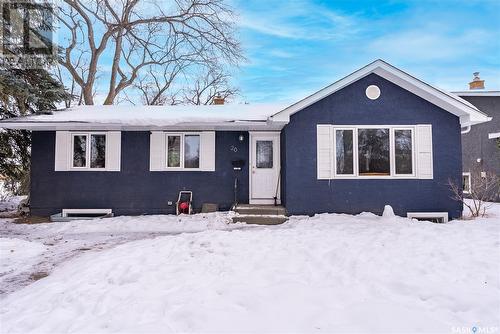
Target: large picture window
[372, 152]
[183, 151]
[89, 151]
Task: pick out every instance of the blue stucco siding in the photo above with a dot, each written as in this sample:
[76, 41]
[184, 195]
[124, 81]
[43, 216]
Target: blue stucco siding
[134, 190]
[305, 194]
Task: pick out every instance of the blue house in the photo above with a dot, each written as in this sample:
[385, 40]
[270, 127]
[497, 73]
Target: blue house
[377, 136]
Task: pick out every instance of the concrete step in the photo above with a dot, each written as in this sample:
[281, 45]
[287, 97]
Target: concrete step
[251, 209]
[260, 219]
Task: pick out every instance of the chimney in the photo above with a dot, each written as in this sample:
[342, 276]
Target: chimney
[476, 83]
[218, 100]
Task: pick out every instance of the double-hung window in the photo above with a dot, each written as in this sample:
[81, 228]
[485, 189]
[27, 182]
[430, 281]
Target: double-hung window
[373, 151]
[466, 185]
[183, 151]
[88, 150]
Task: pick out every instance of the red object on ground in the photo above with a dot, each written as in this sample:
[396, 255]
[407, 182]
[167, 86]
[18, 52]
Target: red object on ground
[184, 207]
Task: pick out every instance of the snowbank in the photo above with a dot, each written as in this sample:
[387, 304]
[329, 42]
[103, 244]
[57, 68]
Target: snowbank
[328, 273]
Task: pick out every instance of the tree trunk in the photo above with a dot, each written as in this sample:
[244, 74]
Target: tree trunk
[114, 69]
[88, 97]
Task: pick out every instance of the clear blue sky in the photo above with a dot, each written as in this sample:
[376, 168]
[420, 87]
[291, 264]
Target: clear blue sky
[297, 47]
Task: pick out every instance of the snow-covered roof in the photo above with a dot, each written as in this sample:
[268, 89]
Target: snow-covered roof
[450, 102]
[220, 117]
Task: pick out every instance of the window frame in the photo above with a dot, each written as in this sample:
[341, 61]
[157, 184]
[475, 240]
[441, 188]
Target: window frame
[469, 183]
[354, 152]
[88, 147]
[182, 143]
[392, 152]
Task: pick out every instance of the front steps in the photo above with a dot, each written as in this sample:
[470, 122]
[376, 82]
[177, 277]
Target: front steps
[260, 214]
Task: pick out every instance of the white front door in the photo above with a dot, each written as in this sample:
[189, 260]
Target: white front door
[264, 167]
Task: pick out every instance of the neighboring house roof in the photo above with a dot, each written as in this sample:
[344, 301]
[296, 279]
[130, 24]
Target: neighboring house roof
[467, 112]
[234, 116]
[478, 93]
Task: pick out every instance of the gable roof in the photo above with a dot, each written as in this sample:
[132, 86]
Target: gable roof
[452, 103]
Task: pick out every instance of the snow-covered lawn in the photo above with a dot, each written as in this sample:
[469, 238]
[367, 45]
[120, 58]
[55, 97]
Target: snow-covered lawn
[328, 273]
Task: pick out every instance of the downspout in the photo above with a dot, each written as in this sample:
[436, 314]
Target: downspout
[466, 130]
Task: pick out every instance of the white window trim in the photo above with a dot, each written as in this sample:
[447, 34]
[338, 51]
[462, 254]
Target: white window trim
[87, 151]
[429, 215]
[182, 135]
[392, 152]
[469, 183]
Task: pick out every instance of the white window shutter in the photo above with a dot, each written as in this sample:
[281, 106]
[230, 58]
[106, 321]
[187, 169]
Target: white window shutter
[113, 150]
[62, 151]
[157, 151]
[324, 151]
[424, 151]
[207, 151]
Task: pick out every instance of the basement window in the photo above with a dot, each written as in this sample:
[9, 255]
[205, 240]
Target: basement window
[435, 217]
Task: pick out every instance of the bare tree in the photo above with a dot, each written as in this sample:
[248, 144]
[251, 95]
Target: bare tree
[480, 188]
[156, 86]
[139, 34]
[210, 82]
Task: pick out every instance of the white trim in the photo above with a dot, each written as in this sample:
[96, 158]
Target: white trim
[469, 182]
[334, 155]
[159, 151]
[465, 130]
[65, 212]
[413, 153]
[182, 135]
[21, 124]
[88, 143]
[443, 215]
[493, 135]
[392, 152]
[467, 112]
[276, 160]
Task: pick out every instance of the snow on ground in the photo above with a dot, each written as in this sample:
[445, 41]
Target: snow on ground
[18, 255]
[328, 273]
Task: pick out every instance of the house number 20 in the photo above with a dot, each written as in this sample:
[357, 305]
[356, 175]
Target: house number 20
[233, 148]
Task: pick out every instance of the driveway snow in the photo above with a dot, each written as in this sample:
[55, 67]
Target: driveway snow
[328, 273]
